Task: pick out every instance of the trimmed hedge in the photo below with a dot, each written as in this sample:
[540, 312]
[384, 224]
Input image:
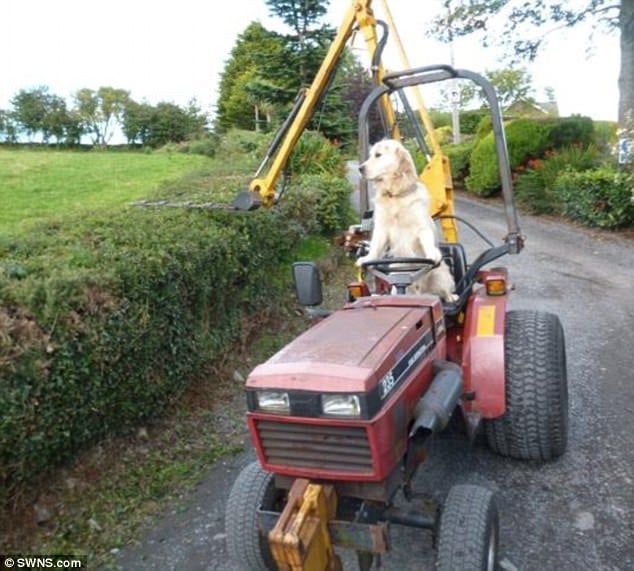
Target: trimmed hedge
[601, 197]
[104, 325]
[104, 321]
[319, 203]
[526, 139]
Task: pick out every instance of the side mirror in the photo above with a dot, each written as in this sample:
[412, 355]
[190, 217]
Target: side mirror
[307, 283]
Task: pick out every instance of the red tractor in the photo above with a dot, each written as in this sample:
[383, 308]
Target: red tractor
[342, 416]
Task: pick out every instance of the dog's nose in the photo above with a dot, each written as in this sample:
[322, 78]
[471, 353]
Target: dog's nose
[362, 168]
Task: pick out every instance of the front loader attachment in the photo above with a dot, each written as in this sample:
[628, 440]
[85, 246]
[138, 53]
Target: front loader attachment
[300, 539]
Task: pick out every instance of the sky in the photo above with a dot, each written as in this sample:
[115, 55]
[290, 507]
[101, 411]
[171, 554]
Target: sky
[176, 51]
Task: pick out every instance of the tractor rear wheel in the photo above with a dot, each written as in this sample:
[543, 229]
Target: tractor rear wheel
[469, 530]
[253, 489]
[535, 424]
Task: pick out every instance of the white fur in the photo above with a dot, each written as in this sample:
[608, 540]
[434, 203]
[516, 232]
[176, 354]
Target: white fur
[402, 224]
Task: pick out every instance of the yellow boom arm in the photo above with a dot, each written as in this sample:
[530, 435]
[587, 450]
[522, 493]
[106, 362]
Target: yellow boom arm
[360, 14]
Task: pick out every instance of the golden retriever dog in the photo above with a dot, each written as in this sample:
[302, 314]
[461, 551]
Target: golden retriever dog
[402, 224]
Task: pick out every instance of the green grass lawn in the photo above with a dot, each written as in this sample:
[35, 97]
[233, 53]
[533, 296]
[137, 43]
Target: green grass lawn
[40, 184]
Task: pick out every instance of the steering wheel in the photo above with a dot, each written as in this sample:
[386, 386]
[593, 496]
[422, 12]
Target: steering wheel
[400, 272]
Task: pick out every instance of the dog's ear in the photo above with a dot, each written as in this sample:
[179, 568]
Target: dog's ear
[405, 162]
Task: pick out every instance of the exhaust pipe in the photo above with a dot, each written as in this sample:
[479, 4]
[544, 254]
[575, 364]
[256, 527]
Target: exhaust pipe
[434, 409]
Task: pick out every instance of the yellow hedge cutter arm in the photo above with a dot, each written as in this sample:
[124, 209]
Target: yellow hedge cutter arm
[358, 16]
[436, 175]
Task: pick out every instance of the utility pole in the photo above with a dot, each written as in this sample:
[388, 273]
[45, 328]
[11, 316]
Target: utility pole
[455, 90]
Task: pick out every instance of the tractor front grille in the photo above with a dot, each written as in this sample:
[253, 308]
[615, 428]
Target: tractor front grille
[336, 449]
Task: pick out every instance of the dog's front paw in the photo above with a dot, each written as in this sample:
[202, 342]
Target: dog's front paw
[436, 255]
[451, 297]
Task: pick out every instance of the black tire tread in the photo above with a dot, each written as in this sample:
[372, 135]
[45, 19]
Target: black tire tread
[535, 424]
[466, 522]
[245, 545]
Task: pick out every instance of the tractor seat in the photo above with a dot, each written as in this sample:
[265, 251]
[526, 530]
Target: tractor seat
[454, 256]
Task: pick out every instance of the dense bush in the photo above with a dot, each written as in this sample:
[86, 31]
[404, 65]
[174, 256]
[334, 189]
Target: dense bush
[314, 154]
[570, 131]
[605, 137]
[319, 203]
[601, 197]
[207, 146]
[443, 135]
[485, 126]
[240, 142]
[458, 156]
[470, 121]
[534, 187]
[105, 323]
[440, 118]
[525, 139]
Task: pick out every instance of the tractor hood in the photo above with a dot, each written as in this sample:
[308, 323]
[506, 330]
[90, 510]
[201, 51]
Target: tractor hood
[353, 348]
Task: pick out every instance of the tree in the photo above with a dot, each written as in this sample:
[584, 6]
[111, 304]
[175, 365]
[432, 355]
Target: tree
[254, 76]
[56, 119]
[136, 122]
[165, 123]
[527, 26]
[30, 109]
[8, 128]
[511, 85]
[101, 111]
[303, 16]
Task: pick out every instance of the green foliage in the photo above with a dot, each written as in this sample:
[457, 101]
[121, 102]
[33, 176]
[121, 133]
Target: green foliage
[534, 187]
[485, 126]
[605, 137]
[511, 85]
[207, 146]
[601, 197]
[458, 156]
[106, 317]
[314, 154]
[257, 56]
[470, 121]
[97, 113]
[440, 118]
[531, 192]
[114, 316]
[155, 126]
[525, 139]
[100, 110]
[568, 131]
[443, 134]
[236, 143]
[266, 71]
[319, 194]
[320, 203]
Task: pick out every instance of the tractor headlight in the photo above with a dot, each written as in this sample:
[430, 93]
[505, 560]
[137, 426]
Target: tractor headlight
[341, 405]
[273, 401]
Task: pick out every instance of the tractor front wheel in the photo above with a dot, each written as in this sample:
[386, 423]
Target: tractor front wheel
[253, 489]
[469, 530]
[535, 424]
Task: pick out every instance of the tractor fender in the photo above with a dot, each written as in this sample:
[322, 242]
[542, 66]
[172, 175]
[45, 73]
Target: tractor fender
[483, 355]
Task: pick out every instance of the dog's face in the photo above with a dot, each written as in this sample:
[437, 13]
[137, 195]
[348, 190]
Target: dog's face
[388, 162]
